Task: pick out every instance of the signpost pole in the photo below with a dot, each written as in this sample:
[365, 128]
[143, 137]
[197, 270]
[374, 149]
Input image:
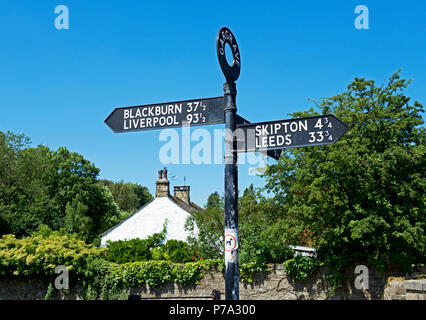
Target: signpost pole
[231, 193]
[231, 73]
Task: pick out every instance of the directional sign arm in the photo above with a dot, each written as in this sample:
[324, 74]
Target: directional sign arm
[167, 115]
[291, 133]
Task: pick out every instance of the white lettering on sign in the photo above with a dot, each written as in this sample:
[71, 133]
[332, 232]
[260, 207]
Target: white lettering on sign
[140, 123]
[275, 135]
[152, 111]
[193, 112]
[273, 141]
[227, 37]
[274, 128]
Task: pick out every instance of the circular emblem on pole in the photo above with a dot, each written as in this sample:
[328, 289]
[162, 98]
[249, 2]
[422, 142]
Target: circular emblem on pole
[224, 37]
[231, 240]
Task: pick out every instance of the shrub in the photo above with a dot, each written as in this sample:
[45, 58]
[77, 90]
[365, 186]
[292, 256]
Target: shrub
[174, 251]
[133, 250]
[152, 248]
[301, 268]
[40, 253]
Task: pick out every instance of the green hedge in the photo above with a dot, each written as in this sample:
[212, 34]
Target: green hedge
[157, 272]
[152, 248]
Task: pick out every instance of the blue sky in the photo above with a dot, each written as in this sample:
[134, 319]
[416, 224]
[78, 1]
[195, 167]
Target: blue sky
[58, 86]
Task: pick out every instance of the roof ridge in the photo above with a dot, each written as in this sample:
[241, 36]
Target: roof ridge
[181, 203]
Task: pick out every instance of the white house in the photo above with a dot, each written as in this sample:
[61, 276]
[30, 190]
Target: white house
[151, 218]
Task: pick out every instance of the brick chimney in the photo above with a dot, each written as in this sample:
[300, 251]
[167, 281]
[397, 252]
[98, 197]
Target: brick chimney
[162, 185]
[182, 192]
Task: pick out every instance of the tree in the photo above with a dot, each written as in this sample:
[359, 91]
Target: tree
[363, 198]
[10, 145]
[256, 216]
[210, 223]
[130, 197]
[55, 188]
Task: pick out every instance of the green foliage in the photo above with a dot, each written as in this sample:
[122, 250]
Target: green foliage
[40, 253]
[249, 269]
[256, 216]
[301, 268]
[190, 273]
[129, 197]
[210, 224]
[156, 273]
[133, 250]
[152, 248]
[75, 220]
[56, 188]
[363, 198]
[174, 251]
[59, 189]
[50, 292]
[112, 281]
[135, 274]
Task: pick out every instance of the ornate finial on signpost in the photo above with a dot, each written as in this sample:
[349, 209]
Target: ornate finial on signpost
[231, 72]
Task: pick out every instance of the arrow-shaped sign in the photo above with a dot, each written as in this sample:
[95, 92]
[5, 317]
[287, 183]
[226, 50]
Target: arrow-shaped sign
[167, 115]
[291, 133]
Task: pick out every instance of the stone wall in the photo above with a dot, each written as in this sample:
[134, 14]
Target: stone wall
[271, 285]
[401, 289]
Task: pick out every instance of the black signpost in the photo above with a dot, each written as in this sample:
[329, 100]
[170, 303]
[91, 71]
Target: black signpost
[231, 72]
[241, 136]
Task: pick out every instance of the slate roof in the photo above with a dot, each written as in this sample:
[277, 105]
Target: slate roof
[189, 207]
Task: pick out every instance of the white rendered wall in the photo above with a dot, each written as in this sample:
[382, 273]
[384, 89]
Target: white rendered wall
[150, 220]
